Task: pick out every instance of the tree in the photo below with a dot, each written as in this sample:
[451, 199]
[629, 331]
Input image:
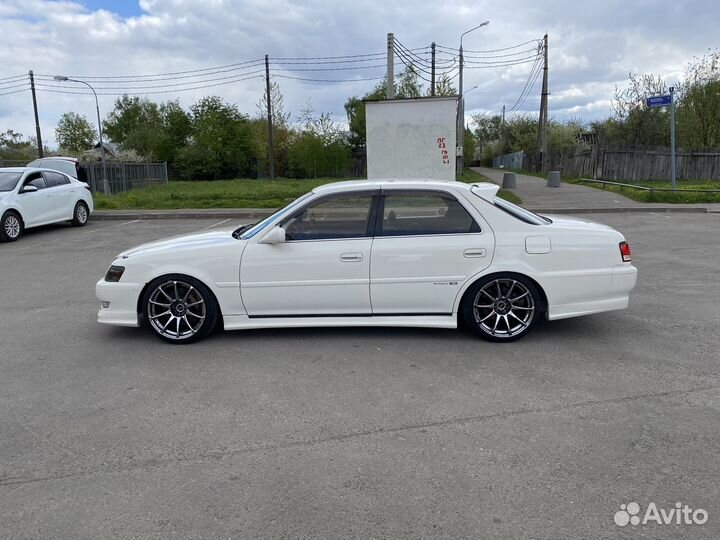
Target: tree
[281, 131]
[641, 125]
[14, 145]
[406, 86]
[444, 86]
[131, 121]
[698, 110]
[220, 145]
[320, 148]
[74, 133]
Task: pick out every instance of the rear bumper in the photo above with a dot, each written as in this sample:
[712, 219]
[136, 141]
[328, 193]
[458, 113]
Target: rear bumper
[121, 300]
[617, 296]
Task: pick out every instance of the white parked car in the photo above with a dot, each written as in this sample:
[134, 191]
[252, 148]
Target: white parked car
[32, 197]
[375, 253]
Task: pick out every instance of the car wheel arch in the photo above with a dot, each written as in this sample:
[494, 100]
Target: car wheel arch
[499, 273]
[141, 295]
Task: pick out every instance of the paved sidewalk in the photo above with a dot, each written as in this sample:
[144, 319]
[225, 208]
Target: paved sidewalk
[573, 198]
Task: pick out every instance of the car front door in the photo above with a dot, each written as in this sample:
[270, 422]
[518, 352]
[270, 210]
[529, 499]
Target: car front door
[322, 268]
[35, 206]
[428, 245]
[62, 192]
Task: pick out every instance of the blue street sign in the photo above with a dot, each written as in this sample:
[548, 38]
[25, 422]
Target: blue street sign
[659, 101]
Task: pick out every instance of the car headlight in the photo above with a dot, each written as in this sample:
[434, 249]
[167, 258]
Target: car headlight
[114, 273]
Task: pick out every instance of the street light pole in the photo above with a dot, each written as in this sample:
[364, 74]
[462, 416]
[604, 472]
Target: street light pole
[460, 161]
[62, 78]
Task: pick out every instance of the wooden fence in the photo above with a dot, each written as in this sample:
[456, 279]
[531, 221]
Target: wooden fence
[630, 164]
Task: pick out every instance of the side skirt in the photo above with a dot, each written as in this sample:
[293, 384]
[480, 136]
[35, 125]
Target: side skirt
[243, 322]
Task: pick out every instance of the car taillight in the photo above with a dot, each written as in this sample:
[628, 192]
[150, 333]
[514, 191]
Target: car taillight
[625, 252]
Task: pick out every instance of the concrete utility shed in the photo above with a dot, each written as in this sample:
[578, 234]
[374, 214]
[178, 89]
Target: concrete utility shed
[411, 138]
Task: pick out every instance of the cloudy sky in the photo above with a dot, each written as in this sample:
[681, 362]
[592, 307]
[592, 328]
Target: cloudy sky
[592, 47]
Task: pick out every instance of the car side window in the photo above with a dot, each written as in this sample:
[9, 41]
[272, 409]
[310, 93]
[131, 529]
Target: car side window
[35, 180]
[53, 179]
[413, 213]
[333, 217]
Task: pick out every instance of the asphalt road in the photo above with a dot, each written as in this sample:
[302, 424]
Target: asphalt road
[109, 432]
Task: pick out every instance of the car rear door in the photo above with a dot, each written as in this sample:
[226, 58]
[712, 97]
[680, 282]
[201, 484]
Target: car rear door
[62, 192]
[428, 244]
[323, 267]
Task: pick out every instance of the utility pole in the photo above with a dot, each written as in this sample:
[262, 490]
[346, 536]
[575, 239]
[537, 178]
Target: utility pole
[543, 120]
[503, 115]
[672, 136]
[37, 121]
[390, 66]
[271, 152]
[432, 70]
[460, 161]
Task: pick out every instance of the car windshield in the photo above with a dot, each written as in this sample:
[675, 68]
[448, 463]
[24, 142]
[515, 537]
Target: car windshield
[259, 226]
[8, 180]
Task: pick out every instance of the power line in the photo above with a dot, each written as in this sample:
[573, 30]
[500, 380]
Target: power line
[334, 68]
[13, 78]
[15, 92]
[327, 80]
[490, 50]
[14, 86]
[46, 88]
[382, 55]
[501, 62]
[529, 85]
[260, 60]
[502, 65]
[101, 86]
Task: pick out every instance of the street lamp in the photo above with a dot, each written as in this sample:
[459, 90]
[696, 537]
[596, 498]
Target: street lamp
[63, 78]
[460, 163]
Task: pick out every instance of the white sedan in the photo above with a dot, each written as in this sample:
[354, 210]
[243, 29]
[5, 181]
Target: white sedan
[375, 253]
[31, 197]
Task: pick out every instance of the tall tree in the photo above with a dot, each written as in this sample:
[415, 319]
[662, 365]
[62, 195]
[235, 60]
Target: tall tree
[698, 113]
[74, 133]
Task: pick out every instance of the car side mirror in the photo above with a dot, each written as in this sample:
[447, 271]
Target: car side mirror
[28, 189]
[276, 235]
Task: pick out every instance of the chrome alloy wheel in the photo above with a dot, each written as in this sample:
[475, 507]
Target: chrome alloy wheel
[504, 308]
[12, 226]
[81, 213]
[176, 310]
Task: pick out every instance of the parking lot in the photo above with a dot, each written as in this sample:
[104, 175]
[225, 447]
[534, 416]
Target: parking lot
[397, 433]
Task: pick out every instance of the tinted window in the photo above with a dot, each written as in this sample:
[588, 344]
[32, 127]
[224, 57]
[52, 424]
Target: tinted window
[8, 180]
[425, 212]
[35, 180]
[53, 179]
[344, 216]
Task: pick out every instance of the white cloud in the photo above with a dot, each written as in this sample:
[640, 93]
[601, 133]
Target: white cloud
[593, 46]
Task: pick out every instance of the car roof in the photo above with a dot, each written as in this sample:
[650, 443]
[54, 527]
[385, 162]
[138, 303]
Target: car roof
[50, 158]
[486, 190]
[27, 169]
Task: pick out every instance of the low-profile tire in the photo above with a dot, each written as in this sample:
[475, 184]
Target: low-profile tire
[502, 307]
[81, 213]
[179, 309]
[11, 226]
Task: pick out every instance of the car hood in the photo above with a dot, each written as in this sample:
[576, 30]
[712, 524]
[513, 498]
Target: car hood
[185, 242]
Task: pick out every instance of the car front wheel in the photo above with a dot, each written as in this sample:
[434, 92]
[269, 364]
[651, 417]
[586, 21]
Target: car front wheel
[11, 227]
[80, 214]
[502, 307]
[179, 309]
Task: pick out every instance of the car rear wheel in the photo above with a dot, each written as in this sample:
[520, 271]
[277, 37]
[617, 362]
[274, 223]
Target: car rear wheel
[502, 307]
[179, 309]
[11, 227]
[80, 214]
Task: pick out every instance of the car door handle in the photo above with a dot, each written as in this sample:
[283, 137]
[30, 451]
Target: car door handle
[351, 257]
[475, 252]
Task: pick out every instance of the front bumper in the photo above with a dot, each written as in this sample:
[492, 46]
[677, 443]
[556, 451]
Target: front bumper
[121, 299]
